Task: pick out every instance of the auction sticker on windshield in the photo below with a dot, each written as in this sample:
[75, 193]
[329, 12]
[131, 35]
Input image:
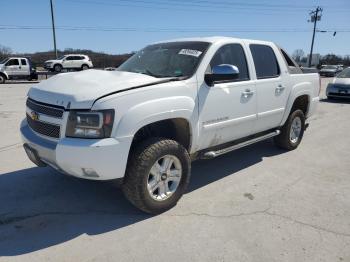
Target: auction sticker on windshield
[190, 52]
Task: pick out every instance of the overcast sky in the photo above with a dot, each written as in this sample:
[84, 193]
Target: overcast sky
[122, 26]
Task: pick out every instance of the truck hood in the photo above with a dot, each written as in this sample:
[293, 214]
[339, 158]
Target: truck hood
[79, 90]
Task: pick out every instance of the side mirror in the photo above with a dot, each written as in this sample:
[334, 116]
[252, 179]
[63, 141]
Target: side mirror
[221, 73]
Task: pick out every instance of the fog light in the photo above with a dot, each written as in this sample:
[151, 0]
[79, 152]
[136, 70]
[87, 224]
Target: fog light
[89, 172]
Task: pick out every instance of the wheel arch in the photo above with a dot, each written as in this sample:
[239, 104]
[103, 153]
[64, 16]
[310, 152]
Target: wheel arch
[178, 129]
[300, 98]
[4, 75]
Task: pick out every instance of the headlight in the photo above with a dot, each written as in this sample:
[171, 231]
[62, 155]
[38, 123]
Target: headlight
[90, 124]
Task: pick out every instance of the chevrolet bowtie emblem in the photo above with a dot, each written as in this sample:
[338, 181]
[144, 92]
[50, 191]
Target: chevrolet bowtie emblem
[34, 115]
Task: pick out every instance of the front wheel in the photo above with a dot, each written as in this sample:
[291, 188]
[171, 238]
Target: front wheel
[157, 175]
[57, 68]
[2, 79]
[292, 131]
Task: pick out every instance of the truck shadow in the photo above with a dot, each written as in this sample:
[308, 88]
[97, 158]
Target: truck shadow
[42, 208]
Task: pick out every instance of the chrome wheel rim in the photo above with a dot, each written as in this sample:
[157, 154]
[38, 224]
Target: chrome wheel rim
[295, 130]
[164, 177]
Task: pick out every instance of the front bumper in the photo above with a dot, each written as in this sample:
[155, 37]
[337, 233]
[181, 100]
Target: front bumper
[95, 159]
[336, 90]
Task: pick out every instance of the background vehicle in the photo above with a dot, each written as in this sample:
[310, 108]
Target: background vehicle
[340, 88]
[330, 70]
[170, 103]
[71, 61]
[17, 68]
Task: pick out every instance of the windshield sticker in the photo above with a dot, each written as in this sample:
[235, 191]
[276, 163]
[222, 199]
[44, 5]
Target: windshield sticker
[190, 52]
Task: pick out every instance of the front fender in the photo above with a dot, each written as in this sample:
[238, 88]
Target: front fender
[152, 111]
[299, 89]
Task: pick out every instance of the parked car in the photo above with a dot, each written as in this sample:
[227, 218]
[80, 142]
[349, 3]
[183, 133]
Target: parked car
[330, 70]
[14, 68]
[340, 87]
[169, 104]
[82, 62]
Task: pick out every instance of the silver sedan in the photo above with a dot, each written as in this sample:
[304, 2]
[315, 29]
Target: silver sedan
[340, 87]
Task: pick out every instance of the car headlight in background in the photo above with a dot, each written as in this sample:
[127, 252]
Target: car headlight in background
[90, 124]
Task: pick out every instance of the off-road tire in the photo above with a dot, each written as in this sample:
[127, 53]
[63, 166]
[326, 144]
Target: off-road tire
[140, 161]
[283, 139]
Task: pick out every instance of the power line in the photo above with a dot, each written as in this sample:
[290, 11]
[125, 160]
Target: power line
[185, 7]
[167, 29]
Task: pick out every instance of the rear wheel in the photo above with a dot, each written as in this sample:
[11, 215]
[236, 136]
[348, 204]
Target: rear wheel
[292, 131]
[84, 67]
[157, 175]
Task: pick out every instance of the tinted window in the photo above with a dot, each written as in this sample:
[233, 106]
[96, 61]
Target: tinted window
[24, 62]
[12, 62]
[232, 54]
[69, 58]
[265, 61]
[287, 58]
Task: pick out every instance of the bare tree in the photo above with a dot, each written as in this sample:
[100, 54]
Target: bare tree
[298, 55]
[4, 52]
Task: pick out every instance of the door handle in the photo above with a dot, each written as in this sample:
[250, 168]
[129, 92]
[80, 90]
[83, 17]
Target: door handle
[247, 93]
[280, 88]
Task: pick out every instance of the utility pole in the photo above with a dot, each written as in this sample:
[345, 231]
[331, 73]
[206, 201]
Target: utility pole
[53, 29]
[315, 16]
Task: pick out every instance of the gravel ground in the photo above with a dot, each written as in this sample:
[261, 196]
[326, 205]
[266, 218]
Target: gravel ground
[255, 204]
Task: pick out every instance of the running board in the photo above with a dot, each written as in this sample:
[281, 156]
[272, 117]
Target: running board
[213, 154]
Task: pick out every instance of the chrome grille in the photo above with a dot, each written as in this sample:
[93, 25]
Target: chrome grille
[44, 128]
[41, 108]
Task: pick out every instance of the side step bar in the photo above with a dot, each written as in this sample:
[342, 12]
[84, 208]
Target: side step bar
[213, 154]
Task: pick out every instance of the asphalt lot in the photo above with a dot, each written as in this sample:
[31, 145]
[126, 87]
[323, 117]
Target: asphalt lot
[255, 204]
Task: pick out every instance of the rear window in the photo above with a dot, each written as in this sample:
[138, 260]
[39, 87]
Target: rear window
[265, 61]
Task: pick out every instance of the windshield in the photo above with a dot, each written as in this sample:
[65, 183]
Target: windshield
[173, 59]
[61, 58]
[330, 67]
[345, 73]
[4, 61]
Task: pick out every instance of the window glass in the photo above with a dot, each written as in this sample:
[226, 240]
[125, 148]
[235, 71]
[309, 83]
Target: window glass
[287, 58]
[23, 62]
[265, 61]
[69, 58]
[232, 54]
[172, 59]
[12, 62]
[345, 73]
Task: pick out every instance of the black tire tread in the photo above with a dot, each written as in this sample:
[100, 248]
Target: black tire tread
[139, 160]
[282, 140]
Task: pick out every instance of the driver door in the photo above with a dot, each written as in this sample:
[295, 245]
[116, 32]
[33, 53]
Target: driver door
[227, 111]
[12, 67]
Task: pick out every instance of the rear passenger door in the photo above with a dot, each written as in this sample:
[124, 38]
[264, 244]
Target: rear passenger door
[271, 87]
[227, 111]
[24, 69]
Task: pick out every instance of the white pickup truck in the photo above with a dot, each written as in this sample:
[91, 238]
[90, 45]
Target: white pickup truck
[14, 68]
[169, 104]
